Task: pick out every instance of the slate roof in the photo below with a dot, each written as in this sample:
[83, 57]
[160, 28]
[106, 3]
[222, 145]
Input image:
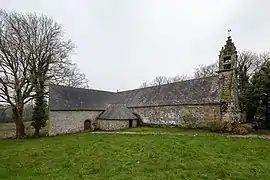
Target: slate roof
[117, 112]
[195, 91]
[67, 98]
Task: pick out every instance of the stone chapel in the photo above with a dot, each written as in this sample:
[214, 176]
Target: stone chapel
[190, 103]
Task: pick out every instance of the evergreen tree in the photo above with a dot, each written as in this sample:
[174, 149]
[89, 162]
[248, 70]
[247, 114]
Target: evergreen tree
[255, 94]
[40, 113]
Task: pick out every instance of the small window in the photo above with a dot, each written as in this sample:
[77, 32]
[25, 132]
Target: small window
[227, 58]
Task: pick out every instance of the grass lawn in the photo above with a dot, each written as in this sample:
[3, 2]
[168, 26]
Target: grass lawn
[184, 130]
[110, 156]
[166, 129]
[8, 130]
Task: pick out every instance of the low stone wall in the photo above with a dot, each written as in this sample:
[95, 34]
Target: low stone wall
[191, 116]
[61, 122]
[113, 124]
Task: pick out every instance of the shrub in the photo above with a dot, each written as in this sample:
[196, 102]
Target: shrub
[248, 127]
[218, 126]
[240, 130]
[189, 120]
[230, 127]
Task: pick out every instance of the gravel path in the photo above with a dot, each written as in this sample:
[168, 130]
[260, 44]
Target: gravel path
[182, 134]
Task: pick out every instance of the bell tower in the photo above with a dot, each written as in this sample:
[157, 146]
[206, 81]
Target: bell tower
[228, 87]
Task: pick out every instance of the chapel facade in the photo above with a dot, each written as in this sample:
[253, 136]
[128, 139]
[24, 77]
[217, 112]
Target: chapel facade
[191, 103]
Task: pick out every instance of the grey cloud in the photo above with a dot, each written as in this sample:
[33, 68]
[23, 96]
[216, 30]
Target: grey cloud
[123, 43]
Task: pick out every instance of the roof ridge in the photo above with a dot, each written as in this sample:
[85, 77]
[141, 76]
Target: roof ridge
[77, 88]
[193, 79]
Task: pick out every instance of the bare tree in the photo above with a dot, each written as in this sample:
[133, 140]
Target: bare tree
[264, 58]
[33, 53]
[206, 70]
[15, 58]
[144, 85]
[179, 78]
[51, 64]
[69, 75]
[248, 62]
[45, 39]
[76, 79]
[159, 80]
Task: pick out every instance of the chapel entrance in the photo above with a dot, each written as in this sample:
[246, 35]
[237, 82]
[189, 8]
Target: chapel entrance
[130, 123]
[87, 125]
[139, 120]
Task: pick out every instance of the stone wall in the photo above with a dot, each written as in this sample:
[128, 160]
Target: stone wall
[229, 96]
[113, 124]
[61, 122]
[191, 116]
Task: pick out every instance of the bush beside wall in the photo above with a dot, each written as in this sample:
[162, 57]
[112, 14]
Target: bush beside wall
[228, 127]
[189, 120]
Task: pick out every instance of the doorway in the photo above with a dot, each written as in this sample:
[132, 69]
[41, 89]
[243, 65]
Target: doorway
[130, 123]
[87, 125]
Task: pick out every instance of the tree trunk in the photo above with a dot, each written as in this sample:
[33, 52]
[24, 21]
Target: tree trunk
[18, 119]
[36, 132]
[20, 130]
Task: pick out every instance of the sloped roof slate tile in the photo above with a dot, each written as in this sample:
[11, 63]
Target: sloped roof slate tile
[117, 112]
[195, 91]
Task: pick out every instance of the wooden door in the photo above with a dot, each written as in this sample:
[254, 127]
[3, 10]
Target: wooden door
[87, 125]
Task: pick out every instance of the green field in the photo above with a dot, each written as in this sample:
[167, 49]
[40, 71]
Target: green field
[8, 130]
[110, 156]
[264, 132]
[167, 130]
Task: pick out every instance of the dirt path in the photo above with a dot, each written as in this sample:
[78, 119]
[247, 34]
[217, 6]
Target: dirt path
[186, 134]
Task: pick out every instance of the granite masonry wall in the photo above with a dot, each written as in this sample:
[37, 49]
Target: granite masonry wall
[113, 124]
[230, 110]
[190, 116]
[61, 122]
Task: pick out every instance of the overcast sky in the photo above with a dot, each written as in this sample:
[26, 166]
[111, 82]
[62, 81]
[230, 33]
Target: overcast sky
[122, 43]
